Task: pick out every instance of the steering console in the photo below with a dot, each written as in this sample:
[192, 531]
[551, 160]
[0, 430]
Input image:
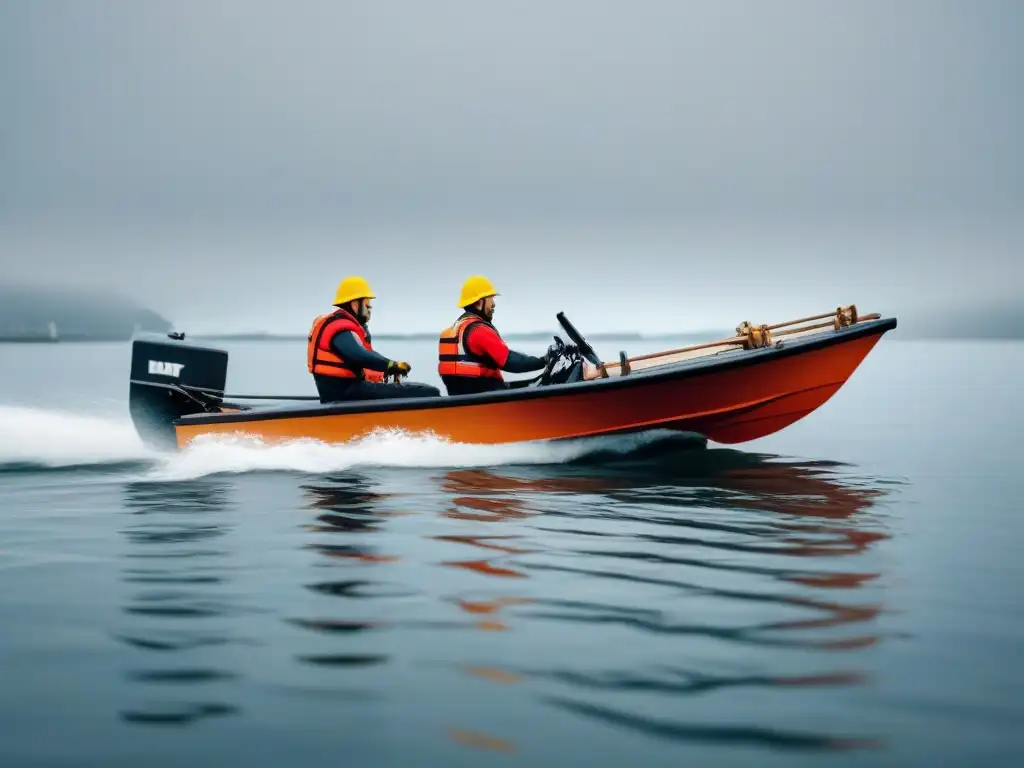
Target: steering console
[565, 361]
[581, 343]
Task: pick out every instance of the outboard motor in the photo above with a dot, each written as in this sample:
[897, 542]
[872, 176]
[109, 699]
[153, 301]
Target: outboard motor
[170, 379]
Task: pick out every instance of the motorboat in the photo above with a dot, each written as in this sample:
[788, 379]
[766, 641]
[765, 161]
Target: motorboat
[729, 391]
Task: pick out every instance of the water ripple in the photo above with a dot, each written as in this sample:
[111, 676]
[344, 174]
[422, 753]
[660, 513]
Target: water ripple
[183, 606]
[697, 557]
[715, 734]
[660, 596]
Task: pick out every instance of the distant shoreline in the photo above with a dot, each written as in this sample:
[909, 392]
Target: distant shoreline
[528, 336]
[61, 340]
[522, 336]
[514, 337]
[936, 334]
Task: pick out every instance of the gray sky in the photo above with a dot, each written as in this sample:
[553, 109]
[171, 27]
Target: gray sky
[636, 164]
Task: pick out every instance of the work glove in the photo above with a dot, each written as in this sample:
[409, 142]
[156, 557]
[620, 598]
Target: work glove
[396, 368]
[552, 354]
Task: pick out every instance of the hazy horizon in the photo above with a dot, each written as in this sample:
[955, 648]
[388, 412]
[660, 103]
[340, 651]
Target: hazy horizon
[653, 167]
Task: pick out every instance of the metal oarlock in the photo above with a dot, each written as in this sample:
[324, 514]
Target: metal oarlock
[754, 337]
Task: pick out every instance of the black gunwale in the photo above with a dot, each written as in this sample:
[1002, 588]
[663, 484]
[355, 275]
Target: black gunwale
[682, 370]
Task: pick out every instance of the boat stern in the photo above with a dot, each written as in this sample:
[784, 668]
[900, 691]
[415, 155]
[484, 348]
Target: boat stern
[171, 378]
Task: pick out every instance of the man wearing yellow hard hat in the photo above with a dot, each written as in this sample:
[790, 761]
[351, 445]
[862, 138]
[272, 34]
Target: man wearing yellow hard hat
[340, 355]
[471, 352]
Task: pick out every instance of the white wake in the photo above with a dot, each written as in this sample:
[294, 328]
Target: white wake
[53, 438]
[48, 439]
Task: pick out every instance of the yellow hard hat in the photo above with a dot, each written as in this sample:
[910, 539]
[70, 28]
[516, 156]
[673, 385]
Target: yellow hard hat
[352, 288]
[475, 288]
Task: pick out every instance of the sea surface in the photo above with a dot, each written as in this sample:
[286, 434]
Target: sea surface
[847, 592]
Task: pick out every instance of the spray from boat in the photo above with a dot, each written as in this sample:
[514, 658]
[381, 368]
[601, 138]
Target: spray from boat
[37, 440]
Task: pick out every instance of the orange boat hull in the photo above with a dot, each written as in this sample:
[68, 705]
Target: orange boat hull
[727, 403]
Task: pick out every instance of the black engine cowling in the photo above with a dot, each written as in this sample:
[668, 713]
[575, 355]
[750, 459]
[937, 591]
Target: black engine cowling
[171, 378]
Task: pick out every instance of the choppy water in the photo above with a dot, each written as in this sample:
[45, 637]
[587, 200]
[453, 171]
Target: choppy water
[845, 592]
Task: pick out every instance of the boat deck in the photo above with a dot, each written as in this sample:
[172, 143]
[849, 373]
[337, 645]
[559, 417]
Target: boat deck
[670, 365]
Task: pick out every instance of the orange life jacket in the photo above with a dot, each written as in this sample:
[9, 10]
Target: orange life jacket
[453, 359]
[321, 359]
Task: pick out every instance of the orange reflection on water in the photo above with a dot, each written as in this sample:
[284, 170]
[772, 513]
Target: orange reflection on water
[482, 741]
[811, 509]
[477, 490]
[348, 507]
[492, 606]
[493, 674]
[853, 643]
[796, 490]
[855, 542]
[836, 615]
[488, 510]
[835, 678]
[352, 553]
[491, 625]
[484, 567]
[488, 607]
[484, 543]
[834, 580]
[485, 481]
